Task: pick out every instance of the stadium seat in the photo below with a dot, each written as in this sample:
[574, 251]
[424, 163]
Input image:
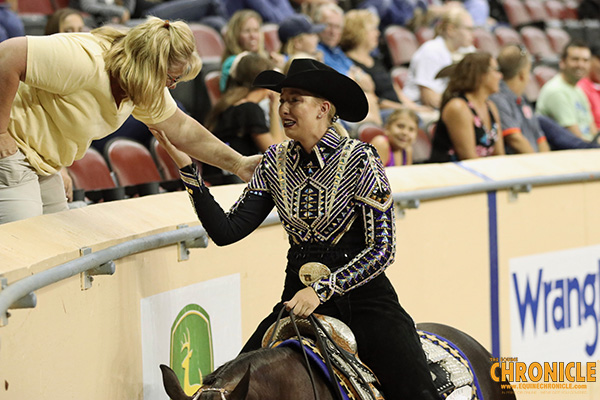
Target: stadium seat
[211, 80]
[44, 7]
[271, 37]
[570, 10]
[558, 38]
[554, 9]
[168, 169]
[485, 41]
[367, 132]
[532, 90]
[424, 33]
[516, 13]
[166, 166]
[400, 75]
[401, 43]
[133, 166]
[91, 172]
[536, 10]
[538, 45]
[209, 43]
[92, 175]
[505, 35]
[543, 73]
[430, 129]
[422, 147]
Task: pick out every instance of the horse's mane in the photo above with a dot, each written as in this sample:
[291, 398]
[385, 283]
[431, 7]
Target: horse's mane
[238, 366]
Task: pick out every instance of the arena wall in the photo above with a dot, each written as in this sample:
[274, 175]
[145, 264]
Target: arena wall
[458, 262]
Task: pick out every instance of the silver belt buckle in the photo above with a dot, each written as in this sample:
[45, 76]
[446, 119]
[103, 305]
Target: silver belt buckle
[312, 272]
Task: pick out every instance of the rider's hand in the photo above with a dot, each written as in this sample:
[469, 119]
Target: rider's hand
[247, 166]
[180, 158]
[304, 302]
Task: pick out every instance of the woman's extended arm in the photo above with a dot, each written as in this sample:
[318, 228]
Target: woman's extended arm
[13, 66]
[190, 136]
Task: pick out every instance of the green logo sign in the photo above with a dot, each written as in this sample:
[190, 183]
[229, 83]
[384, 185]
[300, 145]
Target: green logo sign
[191, 347]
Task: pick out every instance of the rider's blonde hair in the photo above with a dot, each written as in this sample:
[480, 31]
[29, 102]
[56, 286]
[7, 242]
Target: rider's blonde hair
[140, 58]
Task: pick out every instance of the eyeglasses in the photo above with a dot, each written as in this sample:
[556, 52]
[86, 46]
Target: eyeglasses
[172, 80]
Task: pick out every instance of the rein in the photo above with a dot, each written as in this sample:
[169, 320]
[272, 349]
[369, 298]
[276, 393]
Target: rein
[319, 333]
[306, 360]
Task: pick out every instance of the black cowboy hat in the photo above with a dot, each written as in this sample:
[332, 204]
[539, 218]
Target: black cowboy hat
[317, 78]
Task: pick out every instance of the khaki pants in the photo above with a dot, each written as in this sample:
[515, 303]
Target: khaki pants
[24, 194]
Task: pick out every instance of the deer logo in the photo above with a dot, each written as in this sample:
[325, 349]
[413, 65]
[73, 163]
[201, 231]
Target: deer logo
[191, 347]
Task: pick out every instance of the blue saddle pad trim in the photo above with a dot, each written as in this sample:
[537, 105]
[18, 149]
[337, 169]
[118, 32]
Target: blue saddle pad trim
[316, 360]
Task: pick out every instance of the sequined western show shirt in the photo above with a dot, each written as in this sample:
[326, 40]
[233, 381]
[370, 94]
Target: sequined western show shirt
[336, 197]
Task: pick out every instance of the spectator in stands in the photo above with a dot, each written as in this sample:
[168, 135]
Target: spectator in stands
[104, 11]
[10, 23]
[332, 17]
[243, 34]
[520, 128]
[454, 37]
[271, 11]
[524, 131]
[395, 12]
[65, 20]
[238, 120]
[47, 121]
[299, 35]
[396, 146]
[469, 126]
[562, 100]
[207, 12]
[591, 84]
[360, 38]
[480, 12]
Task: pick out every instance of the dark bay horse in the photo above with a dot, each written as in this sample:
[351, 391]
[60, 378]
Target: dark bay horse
[281, 373]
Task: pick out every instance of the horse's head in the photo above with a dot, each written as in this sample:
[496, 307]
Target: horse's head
[175, 392]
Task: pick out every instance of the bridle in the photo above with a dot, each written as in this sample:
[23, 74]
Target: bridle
[221, 391]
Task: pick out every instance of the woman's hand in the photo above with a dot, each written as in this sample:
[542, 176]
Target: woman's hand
[304, 302]
[68, 184]
[246, 167]
[180, 158]
[8, 146]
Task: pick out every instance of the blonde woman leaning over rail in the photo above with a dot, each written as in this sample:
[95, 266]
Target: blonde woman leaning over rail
[62, 91]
